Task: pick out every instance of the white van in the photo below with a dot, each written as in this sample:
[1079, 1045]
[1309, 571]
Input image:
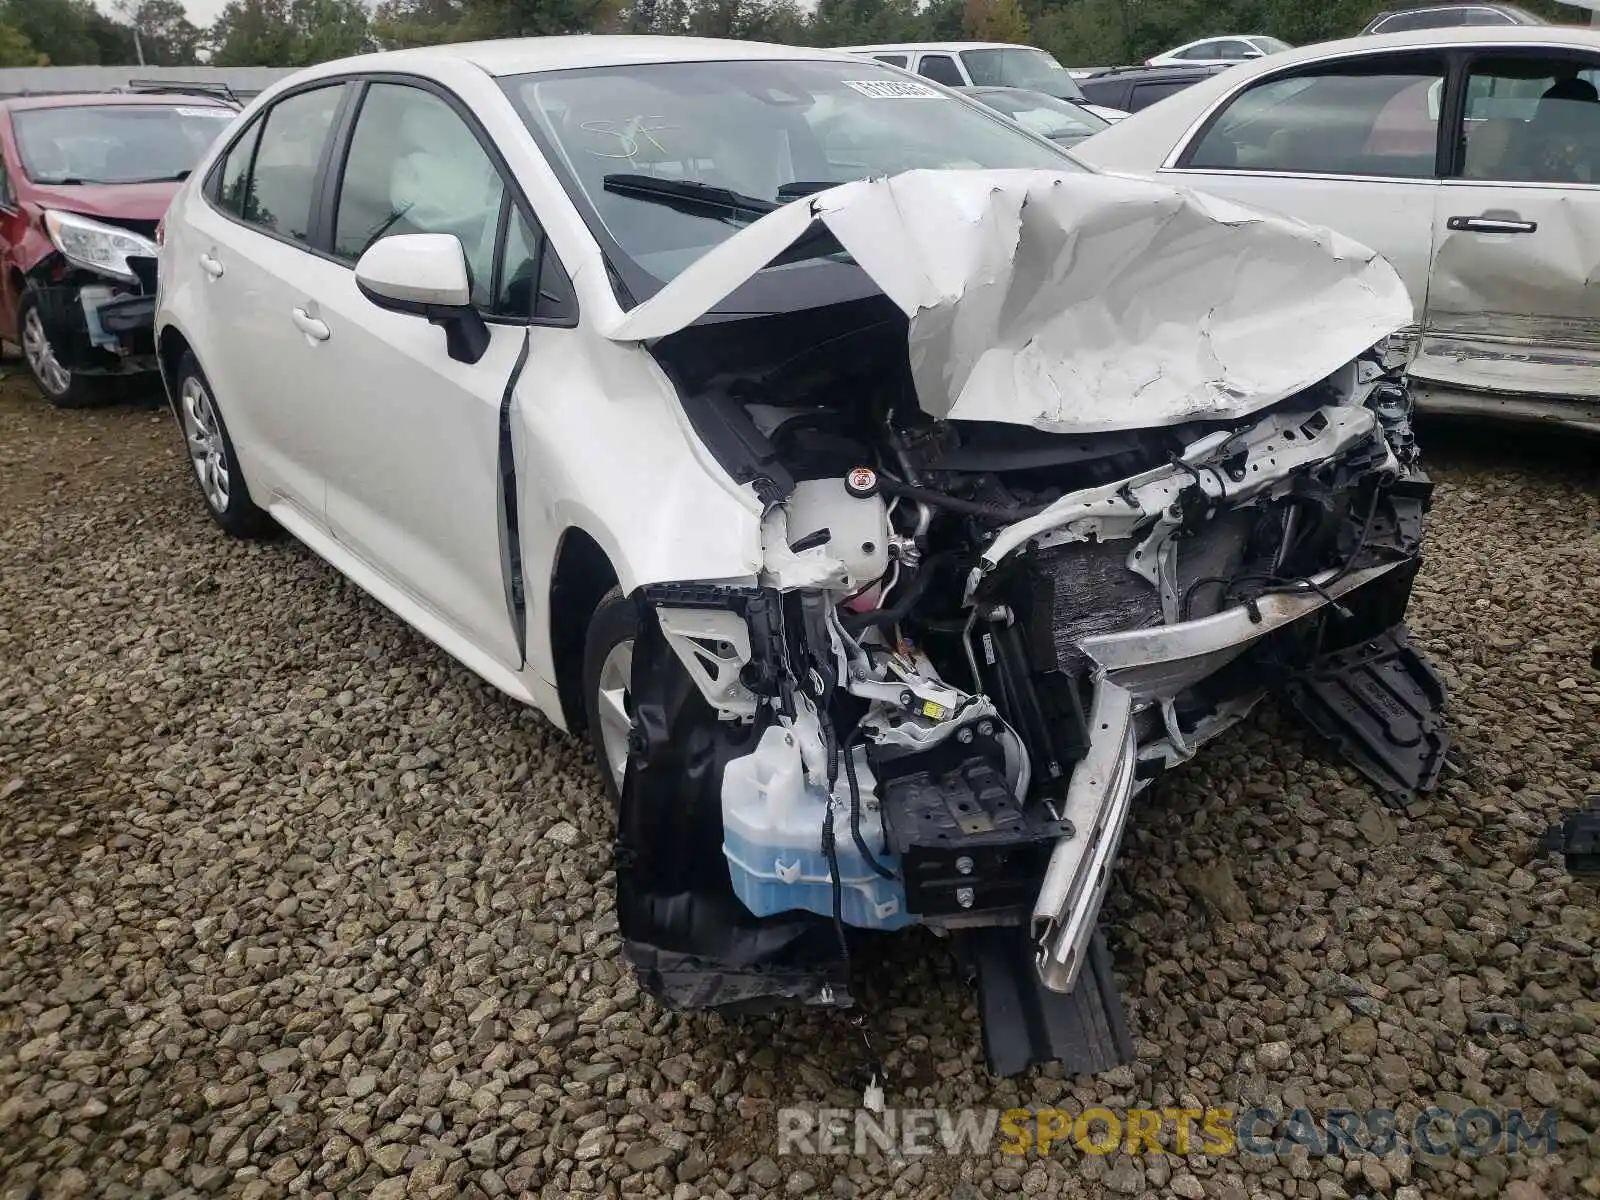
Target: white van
[986, 64]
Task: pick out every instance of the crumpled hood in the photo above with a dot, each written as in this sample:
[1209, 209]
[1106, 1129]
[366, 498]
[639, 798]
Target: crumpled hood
[1077, 303]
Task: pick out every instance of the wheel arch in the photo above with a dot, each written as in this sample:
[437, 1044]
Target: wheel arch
[171, 346]
[583, 575]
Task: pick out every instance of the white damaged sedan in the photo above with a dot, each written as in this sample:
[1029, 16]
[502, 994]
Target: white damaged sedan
[889, 499]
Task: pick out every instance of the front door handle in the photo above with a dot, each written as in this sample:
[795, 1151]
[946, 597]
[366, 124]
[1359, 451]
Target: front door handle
[211, 265]
[309, 325]
[1487, 224]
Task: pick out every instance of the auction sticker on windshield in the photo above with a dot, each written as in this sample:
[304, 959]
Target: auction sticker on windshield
[892, 89]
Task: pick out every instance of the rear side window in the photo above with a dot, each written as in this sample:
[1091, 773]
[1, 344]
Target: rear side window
[894, 60]
[940, 68]
[283, 175]
[1436, 18]
[1378, 117]
[233, 181]
[416, 167]
[1146, 94]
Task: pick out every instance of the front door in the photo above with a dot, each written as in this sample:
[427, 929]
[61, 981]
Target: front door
[1514, 300]
[415, 489]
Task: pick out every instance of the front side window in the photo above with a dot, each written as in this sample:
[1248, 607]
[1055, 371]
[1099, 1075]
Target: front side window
[284, 174]
[530, 279]
[416, 167]
[116, 143]
[670, 159]
[1374, 117]
[940, 68]
[1023, 67]
[8, 197]
[1533, 119]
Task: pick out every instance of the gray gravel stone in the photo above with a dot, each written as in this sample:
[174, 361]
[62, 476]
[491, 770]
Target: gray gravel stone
[294, 905]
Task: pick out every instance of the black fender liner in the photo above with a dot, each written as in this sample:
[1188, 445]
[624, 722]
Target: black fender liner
[688, 937]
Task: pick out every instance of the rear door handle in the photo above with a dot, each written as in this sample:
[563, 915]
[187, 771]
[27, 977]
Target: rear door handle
[1491, 225]
[309, 325]
[211, 266]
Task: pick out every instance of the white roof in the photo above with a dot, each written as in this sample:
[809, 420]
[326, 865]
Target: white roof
[516, 56]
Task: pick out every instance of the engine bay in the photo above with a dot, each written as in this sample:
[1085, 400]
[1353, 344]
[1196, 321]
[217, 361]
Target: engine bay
[972, 644]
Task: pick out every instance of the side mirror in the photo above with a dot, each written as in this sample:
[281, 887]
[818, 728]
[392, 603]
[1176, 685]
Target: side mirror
[425, 275]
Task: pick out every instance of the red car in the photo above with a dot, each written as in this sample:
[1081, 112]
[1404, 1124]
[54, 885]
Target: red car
[84, 181]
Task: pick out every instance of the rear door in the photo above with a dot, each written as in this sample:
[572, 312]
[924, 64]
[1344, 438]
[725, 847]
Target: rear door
[1351, 144]
[1513, 305]
[251, 239]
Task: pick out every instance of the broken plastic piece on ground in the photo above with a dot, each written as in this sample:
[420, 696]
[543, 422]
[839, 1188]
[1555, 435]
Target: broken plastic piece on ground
[1379, 703]
[1025, 1023]
[1577, 839]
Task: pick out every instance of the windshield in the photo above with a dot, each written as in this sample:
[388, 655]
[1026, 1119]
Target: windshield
[669, 159]
[124, 143]
[1043, 114]
[1023, 67]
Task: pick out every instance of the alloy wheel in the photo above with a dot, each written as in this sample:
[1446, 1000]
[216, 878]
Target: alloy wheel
[615, 720]
[203, 434]
[47, 369]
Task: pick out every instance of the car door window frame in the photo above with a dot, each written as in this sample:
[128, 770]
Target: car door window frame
[1187, 146]
[315, 240]
[961, 79]
[333, 181]
[1454, 109]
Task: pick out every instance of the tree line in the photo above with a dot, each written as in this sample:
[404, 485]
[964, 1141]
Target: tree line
[293, 33]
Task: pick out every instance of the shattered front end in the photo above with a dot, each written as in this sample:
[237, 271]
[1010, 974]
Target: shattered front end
[975, 641]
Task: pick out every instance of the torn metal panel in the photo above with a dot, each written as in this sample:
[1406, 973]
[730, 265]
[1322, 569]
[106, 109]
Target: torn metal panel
[1571, 412]
[1074, 302]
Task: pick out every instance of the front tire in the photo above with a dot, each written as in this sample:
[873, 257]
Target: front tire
[211, 454]
[607, 673]
[61, 387]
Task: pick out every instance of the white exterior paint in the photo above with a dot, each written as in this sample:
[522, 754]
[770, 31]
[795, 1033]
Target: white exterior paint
[366, 440]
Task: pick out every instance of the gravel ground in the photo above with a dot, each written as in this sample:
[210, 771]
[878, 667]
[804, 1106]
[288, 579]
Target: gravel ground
[290, 904]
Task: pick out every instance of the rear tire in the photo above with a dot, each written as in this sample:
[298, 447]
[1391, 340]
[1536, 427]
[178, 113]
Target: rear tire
[211, 454]
[59, 386]
[607, 672]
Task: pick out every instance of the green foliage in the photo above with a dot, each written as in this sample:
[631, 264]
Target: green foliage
[299, 32]
[166, 35]
[995, 21]
[289, 33]
[68, 32]
[16, 50]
